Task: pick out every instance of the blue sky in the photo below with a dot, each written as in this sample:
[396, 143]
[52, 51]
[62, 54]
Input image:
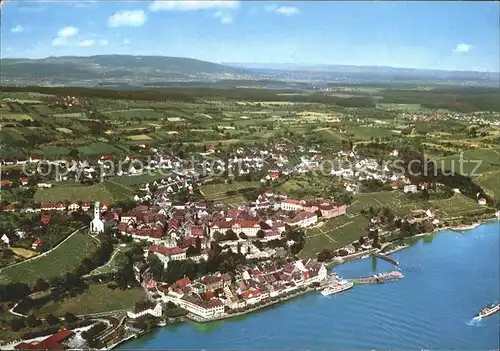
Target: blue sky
[419, 34]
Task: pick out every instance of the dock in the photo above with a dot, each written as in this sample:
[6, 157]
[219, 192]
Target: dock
[379, 279]
[385, 258]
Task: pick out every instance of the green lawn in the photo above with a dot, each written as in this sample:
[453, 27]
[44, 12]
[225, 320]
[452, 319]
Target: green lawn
[56, 263]
[98, 298]
[74, 192]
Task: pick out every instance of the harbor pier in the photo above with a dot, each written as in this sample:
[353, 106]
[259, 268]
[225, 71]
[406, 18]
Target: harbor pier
[379, 279]
[385, 258]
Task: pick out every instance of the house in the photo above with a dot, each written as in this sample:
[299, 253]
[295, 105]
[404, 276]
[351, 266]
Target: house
[481, 201]
[57, 341]
[24, 181]
[332, 210]
[44, 185]
[73, 206]
[167, 254]
[45, 220]
[85, 206]
[9, 238]
[412, 188]
[36, 244]
[5, 182]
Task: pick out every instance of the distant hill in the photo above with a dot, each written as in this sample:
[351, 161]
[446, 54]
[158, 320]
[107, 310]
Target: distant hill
[370, 73]
[116, 67]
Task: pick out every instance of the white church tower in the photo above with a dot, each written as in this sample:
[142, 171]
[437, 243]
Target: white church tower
[97, 226]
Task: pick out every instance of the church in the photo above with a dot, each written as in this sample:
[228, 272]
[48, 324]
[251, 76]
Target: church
[97, 225]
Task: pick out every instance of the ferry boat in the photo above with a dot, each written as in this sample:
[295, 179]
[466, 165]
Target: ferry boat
[488, 310]
[337, 287]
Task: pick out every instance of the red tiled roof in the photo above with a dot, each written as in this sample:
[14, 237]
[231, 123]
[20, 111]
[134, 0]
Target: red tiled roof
[183, 282]
[53, 342]
[166, 251]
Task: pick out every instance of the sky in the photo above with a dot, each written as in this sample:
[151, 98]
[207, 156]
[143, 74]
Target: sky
[451, 35]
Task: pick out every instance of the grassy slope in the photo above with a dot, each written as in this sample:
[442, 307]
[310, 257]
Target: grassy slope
[56, 263]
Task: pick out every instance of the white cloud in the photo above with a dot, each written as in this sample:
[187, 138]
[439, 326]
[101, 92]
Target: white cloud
[282, 10]
[17, 29]
[59, 41]
[224, 17]
[271, 8]
[86, 43]
[181, 5]
[135, 18]
[462, 47]
[67, 32]
[103, 42]
[288, 10]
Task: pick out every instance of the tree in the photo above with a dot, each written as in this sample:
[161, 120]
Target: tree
[52, 320]
[218, 236]
[32, 321]
[17, 324]
[70, 317]
[261, 234]
[41, 285]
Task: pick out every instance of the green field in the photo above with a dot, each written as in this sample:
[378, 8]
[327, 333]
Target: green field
[456, 206]
[98, 298]
[139, 137]
[74, 192]
[56, 263]
[362, 132]
[135, 113]
[335, 233]
[222, 193]
[489, 161]
[110, 190]
[69, 115]
[15, 116]
[99, 148]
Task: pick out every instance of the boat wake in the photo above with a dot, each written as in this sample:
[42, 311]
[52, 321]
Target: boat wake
[474, 322]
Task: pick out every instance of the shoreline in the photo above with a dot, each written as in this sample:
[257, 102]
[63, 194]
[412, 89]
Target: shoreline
[329, 265]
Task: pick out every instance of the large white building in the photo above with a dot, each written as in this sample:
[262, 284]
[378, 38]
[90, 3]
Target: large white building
[156, 311]
[291, 205]
[97, 225]
[205, 309]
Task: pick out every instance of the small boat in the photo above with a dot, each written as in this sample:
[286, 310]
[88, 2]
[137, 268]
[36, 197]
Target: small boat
[365, 256]
[162, 324]
[488, 310]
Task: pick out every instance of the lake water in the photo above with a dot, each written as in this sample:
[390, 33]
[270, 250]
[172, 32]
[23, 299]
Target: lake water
[449, 277]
